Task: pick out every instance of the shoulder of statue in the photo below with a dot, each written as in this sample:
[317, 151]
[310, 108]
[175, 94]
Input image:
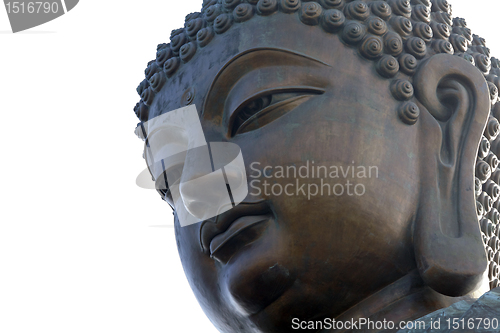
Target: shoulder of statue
[482, 315]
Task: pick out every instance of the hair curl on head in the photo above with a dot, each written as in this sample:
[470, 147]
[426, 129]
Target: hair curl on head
[408, 30]
[395, 34]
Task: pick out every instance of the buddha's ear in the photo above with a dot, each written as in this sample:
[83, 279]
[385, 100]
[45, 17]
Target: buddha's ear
[448, 245]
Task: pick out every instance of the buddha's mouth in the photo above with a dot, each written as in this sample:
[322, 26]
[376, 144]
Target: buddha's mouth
[234, 229]
[240, 233]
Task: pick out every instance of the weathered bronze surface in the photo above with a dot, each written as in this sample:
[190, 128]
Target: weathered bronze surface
[396, 85]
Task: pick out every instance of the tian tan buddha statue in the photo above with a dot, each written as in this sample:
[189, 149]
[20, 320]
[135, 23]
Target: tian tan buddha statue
[393, 102]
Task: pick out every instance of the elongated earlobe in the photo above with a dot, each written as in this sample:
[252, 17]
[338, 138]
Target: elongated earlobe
[448, 247]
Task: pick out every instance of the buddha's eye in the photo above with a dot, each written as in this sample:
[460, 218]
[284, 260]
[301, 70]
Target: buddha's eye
[253, 107]
[264, 108]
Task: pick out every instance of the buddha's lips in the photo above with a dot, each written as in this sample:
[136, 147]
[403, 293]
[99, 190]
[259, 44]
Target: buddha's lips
[209, 230]
[237, 227]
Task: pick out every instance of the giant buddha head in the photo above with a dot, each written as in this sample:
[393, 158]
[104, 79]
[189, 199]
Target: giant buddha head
[368, 133]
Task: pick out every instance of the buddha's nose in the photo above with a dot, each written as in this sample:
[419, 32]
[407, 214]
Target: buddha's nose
[213, 179]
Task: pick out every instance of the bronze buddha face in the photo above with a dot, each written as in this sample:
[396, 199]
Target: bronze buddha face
[329, 88]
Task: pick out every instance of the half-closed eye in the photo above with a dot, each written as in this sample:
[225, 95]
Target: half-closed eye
[267, 106]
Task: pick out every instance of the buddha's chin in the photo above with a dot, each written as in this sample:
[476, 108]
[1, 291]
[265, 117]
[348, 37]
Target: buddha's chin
[258, 286]
[269, 292]
[258, 275]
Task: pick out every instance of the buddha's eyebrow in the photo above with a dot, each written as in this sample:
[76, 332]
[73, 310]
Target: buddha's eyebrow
[271, 51]
[257, 58]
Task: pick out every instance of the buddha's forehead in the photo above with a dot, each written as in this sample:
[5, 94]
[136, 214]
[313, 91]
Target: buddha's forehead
[282, 36]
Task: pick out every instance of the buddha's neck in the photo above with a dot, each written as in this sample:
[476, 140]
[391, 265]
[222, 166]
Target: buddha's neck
[404, 300]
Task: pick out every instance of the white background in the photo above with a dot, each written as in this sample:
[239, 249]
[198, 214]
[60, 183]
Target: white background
[82, 249]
